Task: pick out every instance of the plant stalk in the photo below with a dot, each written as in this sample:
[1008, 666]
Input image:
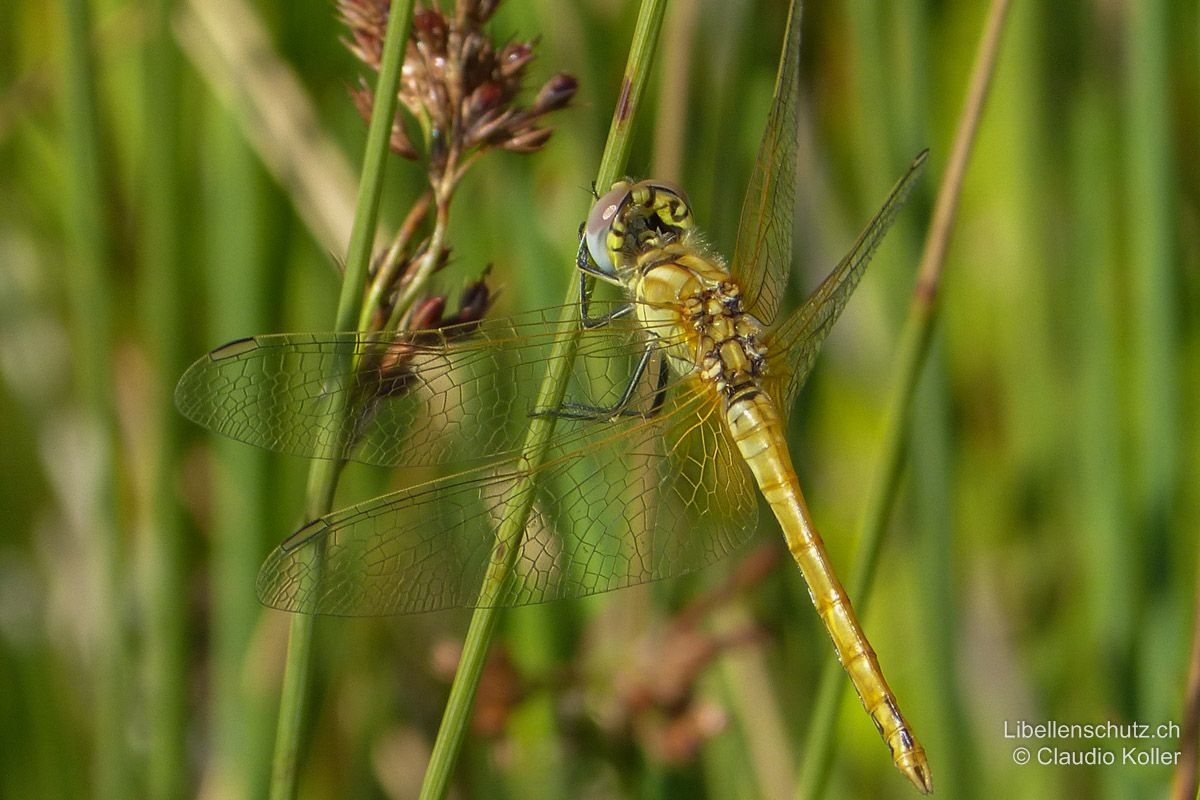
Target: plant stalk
[237, 285]
[160, 537]
[90, 293]
[324, 473]
[519, 499]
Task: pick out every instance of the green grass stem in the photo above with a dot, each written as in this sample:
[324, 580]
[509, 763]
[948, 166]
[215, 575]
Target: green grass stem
[324, 473]
[90, 293]
[1102, 497]
[933, 474]
[914, 344]
[935, 612]
[518, 502]
[162, 315]
[237, 286]
[1149, 214]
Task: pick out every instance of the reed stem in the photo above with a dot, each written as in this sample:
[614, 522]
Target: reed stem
[518, 502]
[90, 293]
[324, 474]
[163, 600]
[242, 714]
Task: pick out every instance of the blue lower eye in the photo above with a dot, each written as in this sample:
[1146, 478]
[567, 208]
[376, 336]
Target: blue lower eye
[599, 223]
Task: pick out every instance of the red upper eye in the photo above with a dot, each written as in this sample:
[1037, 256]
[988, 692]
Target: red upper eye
[670, 188]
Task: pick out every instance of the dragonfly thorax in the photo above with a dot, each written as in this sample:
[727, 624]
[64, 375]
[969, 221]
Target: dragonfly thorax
[692, 299]
[728, 350]
[642, 236]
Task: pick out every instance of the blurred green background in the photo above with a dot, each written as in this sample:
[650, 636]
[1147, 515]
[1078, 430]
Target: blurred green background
[1041, 560]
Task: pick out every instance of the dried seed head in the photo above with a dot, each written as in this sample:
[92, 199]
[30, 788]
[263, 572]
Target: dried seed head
[429, 26]
[367, 21]
[364, 101]
[393, 376]
[456, 80]
[477, 11]
[427, 314]
[494, 128]
[462, 87]
[514, 58]
[555, 93]
[529, 141]
[483, 100]
[473, 303]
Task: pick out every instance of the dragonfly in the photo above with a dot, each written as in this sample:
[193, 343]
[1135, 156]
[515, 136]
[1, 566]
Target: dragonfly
[672, 421]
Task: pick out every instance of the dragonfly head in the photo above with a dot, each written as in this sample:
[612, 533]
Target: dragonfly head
[631, 218]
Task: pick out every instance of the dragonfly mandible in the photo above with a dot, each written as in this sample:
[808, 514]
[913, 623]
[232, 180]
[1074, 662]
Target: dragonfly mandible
[676, 405]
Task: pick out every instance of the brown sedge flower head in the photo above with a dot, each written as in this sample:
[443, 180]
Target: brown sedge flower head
[463, 90]
[460, 86]
[394, 374]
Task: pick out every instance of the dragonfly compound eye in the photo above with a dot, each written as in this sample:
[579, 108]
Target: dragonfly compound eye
[671, 195]
[603, 219]
[631, 218]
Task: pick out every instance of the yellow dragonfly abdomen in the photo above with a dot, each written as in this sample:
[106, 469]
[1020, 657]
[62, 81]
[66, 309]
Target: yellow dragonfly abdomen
[696, 303]
[755, 426]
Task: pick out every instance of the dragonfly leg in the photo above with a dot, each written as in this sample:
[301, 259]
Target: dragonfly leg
[583, 262]
[582, 411]
[591, 323]
[581, 255]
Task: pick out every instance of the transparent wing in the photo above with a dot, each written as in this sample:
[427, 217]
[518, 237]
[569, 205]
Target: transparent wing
[614, 504]
[763, 255]
[795, 343]
[461, 395]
